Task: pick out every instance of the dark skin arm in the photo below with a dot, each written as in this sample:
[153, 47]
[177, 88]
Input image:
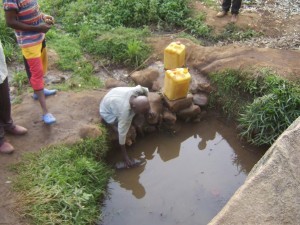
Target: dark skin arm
[12, 22]
[127, 160]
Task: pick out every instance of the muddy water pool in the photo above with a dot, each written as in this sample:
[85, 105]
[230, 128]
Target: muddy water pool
[185, 178]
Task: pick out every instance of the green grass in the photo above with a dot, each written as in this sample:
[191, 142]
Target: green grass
[261, 102]
[63, 184]
[123, 46]
[7, 38]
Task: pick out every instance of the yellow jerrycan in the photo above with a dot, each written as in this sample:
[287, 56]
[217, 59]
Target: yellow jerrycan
[174, 56]
[176, 83]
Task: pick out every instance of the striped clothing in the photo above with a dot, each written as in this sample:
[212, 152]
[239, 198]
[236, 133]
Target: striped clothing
[27, 12]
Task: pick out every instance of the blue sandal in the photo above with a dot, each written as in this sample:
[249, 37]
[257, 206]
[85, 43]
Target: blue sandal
[48, 118]
[47, 92]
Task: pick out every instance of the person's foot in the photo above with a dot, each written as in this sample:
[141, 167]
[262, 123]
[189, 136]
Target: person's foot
[6, 148]
[17, 130]
[48, 118]
[234, 18]
[221, 14]
[47, 92]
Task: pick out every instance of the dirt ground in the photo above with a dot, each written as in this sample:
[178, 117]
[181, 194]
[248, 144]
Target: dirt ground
[77, 110]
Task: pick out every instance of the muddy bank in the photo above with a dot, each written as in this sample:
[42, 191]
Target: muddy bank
[213, 59]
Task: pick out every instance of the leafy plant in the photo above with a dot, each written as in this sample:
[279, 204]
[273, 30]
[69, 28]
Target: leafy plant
[197, 26]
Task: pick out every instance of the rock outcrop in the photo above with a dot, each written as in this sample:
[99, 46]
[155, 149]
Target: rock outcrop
[271, 193]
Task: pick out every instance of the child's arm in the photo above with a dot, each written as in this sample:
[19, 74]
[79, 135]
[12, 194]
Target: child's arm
[11, 21]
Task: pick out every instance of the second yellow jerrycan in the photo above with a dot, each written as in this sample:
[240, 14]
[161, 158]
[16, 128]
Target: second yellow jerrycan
[176, 83]
[174, 56]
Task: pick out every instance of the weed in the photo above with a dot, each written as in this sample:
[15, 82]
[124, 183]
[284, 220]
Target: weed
[197, 26]
[20, 81]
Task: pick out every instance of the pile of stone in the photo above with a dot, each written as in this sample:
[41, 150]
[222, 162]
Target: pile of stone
[167, 113]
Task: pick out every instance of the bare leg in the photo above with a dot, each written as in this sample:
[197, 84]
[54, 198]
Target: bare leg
[42, 100]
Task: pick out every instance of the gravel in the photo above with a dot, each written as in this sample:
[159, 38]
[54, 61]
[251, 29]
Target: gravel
[280, 10]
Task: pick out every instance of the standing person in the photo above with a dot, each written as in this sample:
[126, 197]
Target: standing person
[6, 123]
[119, 106]
[235, 7]
[30, 27]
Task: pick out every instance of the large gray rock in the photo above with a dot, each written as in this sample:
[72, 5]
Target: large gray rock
[271, 193]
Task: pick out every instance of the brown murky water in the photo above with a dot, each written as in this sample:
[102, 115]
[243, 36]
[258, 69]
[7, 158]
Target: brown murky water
[185, 179]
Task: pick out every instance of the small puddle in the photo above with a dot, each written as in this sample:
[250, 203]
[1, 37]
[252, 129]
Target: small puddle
[185, 179]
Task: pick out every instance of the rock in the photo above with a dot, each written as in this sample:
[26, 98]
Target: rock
[204, 87]
[169, 117]
[156, 106]
[193, 87]
[145, 77]
[112, 83]
[180, 104]
[270, 194]
[156, 86]
[90, 131]
[200, 99]
[190, 112]
[150, 129]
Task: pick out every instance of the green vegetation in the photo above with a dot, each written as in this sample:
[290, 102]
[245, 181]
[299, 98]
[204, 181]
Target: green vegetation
[20, 81]
[63, 184]
[197, 27]
[7, 38]
[263, 103]
[234, 33]
[120, 45]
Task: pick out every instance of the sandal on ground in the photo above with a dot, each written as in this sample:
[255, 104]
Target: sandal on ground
[48, 118]
[47, 92]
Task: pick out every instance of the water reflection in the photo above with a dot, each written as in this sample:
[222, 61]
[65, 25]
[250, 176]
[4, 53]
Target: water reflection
[185, 179]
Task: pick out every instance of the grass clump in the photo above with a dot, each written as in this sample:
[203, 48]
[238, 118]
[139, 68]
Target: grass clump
[64, 184]
[262, 103]
[7, 38]
[122, 45]
[197, 27]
